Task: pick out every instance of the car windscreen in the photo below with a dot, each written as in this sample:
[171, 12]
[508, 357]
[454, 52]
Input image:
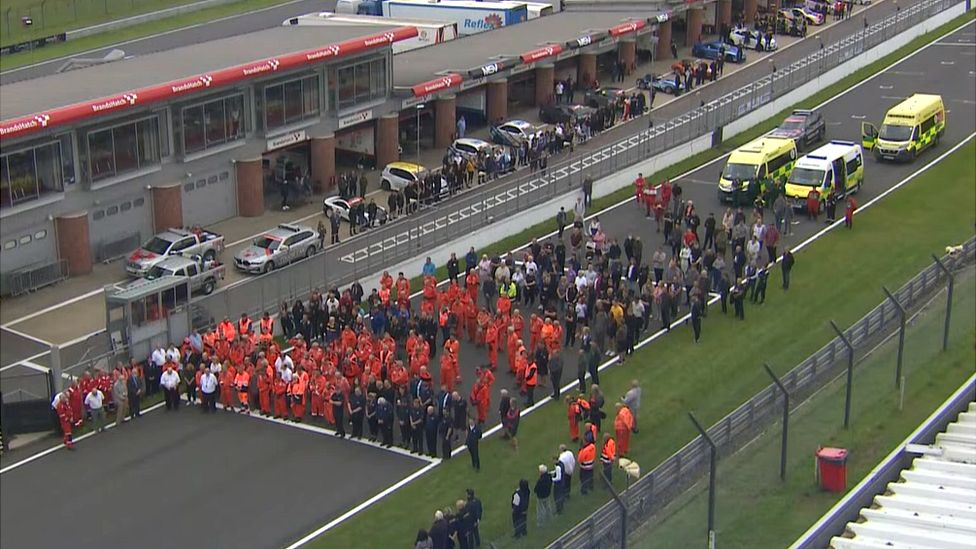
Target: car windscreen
[739, 171]
[158, 272]
[267, 243]
[895, 133]
[807, 176]
[510, 129]
[791, 125]
[157, 245]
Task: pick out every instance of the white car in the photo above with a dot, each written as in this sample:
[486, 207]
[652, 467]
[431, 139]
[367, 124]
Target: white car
[751, 38]
[468, 148]
[397, 175]
[278, 247]
[342, 207]
[513, 132]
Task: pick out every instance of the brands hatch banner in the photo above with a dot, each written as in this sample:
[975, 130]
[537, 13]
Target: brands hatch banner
[437, 84]
[161, 92]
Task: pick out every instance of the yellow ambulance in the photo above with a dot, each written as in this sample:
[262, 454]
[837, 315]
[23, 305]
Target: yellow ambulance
[837, 166]
[763, 159]
[909, 128]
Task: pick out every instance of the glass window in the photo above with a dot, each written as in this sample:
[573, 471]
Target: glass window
[362, 83]
[123, 149]
[291, 102]
[29, 173]
[213, 123]
[359, 83]
[213, 116]
[193, 129]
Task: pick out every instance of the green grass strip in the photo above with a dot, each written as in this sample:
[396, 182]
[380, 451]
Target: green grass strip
[716, 376]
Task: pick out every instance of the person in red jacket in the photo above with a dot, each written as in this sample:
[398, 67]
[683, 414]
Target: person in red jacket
[280, 387]
[480, 399]
[264, 392]
[296, 390]
[573, 414]
[62, 406]
[623, 424]
[77, 401]
[849, 212]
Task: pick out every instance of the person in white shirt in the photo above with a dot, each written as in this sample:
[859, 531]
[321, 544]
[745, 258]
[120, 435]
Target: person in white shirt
[94, 400]
[208, 390]
[173, 354]
[581, 281]
[530, 266]
[568, 460]
[158, 357]
[170, 381]
[284, 364]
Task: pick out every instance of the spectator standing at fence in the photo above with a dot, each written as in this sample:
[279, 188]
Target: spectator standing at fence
[135, 389]
[543, 490]
[94, 401]
[587, 194]
[586, 459]
[520, 509]
[170, 382]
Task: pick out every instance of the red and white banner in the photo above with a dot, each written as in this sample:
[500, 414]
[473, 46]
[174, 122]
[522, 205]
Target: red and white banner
[437, 84]
[627, 28]
[72, 113]
[541, 53]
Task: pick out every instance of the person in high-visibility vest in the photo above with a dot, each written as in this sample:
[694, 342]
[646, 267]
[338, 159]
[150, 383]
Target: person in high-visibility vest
[586, 459]
[531, 380]
[608, 454]
[242, 382]
[623, 424]
[244, 324]
[296, 390]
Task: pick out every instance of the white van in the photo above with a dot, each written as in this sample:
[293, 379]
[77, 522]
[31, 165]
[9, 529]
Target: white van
[838, 166]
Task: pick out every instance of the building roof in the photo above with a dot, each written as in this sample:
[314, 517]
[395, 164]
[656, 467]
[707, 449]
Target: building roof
[37, 95]
[932, 505]
[473, 51]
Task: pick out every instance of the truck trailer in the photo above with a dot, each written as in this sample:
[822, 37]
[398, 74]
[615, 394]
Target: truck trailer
[429, 32]
[471, 17]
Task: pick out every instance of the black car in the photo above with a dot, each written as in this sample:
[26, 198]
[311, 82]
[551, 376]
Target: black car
[559, 114]
[804, 126]
[601, 97]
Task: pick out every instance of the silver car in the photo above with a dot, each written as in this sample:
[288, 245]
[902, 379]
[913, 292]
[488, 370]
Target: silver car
[278, 247]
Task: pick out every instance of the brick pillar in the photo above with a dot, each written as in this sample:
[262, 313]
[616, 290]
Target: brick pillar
[627, 53]
[694, 28]
[74, 245]
[445, 117]
[723, 15]
[387, 139]
[323, 163]
[167, 203]
[749, 10]
[544, 80]
[663, 50]
[250, 187]
[496, 100]
[585, 69]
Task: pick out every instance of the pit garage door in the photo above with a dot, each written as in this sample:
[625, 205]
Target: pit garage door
[209, 198]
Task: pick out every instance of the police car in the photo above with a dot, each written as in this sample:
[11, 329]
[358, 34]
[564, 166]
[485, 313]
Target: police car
[278, 247]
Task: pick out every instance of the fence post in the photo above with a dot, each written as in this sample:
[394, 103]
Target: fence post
[623, 509]
[57, 380]
[850, 373]
[901, 335]
[712, 461]
[951, 282]
[786, 421]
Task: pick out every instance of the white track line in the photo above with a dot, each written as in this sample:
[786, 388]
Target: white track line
[28, 336]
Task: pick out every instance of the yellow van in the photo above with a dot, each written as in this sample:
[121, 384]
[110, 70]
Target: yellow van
[760, 160]
[837, 166]
[909, 128]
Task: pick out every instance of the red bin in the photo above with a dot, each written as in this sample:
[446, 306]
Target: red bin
[832, 469]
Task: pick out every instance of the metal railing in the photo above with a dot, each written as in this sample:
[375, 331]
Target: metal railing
[681, 470]
[34, 277]
[409, 237]
[111, 250]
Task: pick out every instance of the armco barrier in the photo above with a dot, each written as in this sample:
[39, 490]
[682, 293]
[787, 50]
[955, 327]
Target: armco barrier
[474, 217]
[676, 474]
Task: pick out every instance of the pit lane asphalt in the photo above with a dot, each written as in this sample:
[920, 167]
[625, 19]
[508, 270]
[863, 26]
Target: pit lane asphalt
[188, 480]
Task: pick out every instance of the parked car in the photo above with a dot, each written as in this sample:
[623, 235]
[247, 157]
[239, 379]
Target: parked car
[513, 132]
[468, 147]
[560, 114]
[602, 96]
[804, 126]
[204, 275]
[196, 241]
[342, 206]
[397, 175]
[811, 17]
[278, 247]
[751, 38]
[665, 83]
[713, 50]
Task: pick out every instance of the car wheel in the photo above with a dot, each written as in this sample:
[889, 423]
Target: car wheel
[385, 185]
[309, 252]
[208, 286]
[268, 267]
[210, 256]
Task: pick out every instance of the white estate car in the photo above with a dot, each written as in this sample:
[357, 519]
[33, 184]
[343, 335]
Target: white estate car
[278, 247]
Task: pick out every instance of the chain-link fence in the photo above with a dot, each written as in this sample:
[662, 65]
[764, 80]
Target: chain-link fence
[475, 210]
[657, 488]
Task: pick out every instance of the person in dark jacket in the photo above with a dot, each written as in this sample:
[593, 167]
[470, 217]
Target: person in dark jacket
[471, 441]
[788, 262]
[384, 416]
[475, 510]
[543, 490]
[520, 509]
[440, 532]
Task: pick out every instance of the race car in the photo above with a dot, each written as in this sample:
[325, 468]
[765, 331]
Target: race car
[713, 50]
[811, 17]
[665, 83]
[342, 206]
[751, 38]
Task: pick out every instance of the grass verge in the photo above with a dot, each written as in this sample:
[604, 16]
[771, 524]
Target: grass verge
[108, 38]
[755, 509]
[678, 377]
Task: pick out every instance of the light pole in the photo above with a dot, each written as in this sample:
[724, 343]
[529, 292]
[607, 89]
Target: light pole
[420, 109]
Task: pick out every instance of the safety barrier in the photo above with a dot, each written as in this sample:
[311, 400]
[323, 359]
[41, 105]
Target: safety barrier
[475, 211]
[115, 249]
[659, 487]
[33, 277]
